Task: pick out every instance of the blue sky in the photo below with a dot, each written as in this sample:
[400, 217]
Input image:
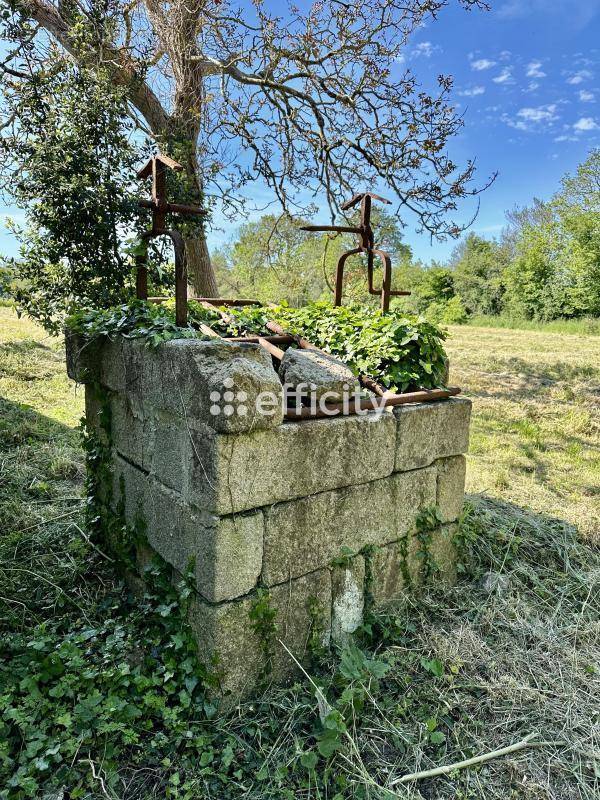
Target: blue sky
[526, 78]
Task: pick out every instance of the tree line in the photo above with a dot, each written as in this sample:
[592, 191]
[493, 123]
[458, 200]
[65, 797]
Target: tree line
[544, 266]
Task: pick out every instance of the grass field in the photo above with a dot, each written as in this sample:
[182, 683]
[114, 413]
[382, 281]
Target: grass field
[513, 650]
[585, 326]
[535, 437]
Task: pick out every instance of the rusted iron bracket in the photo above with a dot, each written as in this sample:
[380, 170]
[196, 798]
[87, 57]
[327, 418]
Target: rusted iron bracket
[156, 167]
[141, 282]
[365, 244]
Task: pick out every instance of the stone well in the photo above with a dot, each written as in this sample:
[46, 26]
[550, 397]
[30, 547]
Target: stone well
[317, 518]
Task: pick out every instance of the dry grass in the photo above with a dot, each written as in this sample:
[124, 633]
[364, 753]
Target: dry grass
[517, 662]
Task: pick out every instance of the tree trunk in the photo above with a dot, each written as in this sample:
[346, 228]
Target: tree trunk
[200, 271]
[201, 275]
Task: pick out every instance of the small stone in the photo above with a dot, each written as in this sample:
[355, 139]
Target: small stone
[348, 599]
[311, 368]
[495, 582]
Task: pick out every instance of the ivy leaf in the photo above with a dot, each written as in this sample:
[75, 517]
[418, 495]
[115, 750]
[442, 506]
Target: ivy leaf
[434, 666]
[309, 760]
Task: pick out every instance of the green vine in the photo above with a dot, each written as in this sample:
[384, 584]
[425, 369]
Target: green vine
[403, 351]
[262, 618]
[136, 320]
[105, 514]
[345, 557]
[316, 616]
[427, 522]
[407, 578]
[96, 442]
[369, 603]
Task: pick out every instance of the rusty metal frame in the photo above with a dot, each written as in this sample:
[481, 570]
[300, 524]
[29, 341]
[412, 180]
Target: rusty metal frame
[141, 283]
[156, 168]
[365, 244]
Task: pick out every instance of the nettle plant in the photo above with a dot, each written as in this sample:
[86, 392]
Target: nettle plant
[401, 350]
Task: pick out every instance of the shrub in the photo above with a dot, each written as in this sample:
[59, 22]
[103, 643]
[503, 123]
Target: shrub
[451, 312]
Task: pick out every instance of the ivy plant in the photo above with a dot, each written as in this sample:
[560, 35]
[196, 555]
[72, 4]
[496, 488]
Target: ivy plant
[403, 351]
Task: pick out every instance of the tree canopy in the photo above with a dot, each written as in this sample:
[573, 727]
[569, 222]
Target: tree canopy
[314, 102]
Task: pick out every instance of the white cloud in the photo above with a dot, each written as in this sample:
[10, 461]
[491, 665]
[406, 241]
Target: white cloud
[539, 114]
[473, 91]
[534, 71]
[533, 118]
[482, 63]
[504, 77]
[586, 124]
[533, 85]
[580, 77]
[511, 9]
[425, 49]
[575, 14]
[586, 97]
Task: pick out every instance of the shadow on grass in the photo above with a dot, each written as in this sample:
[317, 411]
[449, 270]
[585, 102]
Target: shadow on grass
[540, 539]
[30, 360]
[515, 374]
[20, 424]
[549, 373]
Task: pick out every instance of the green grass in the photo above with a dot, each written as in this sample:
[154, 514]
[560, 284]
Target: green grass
[535, 435]
[588, 326]
[99, 697]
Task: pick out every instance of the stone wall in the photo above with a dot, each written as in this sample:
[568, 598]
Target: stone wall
[315, 519]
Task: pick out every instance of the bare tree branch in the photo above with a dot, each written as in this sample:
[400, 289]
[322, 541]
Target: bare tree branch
[313, 103]
[124, 68]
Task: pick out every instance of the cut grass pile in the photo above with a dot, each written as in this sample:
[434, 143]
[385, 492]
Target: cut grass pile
[513, 650]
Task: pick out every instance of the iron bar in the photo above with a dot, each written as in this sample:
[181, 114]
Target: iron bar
[156, 167]
[365, 244]
[220, 301]
[174, 208]
[372, 404]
